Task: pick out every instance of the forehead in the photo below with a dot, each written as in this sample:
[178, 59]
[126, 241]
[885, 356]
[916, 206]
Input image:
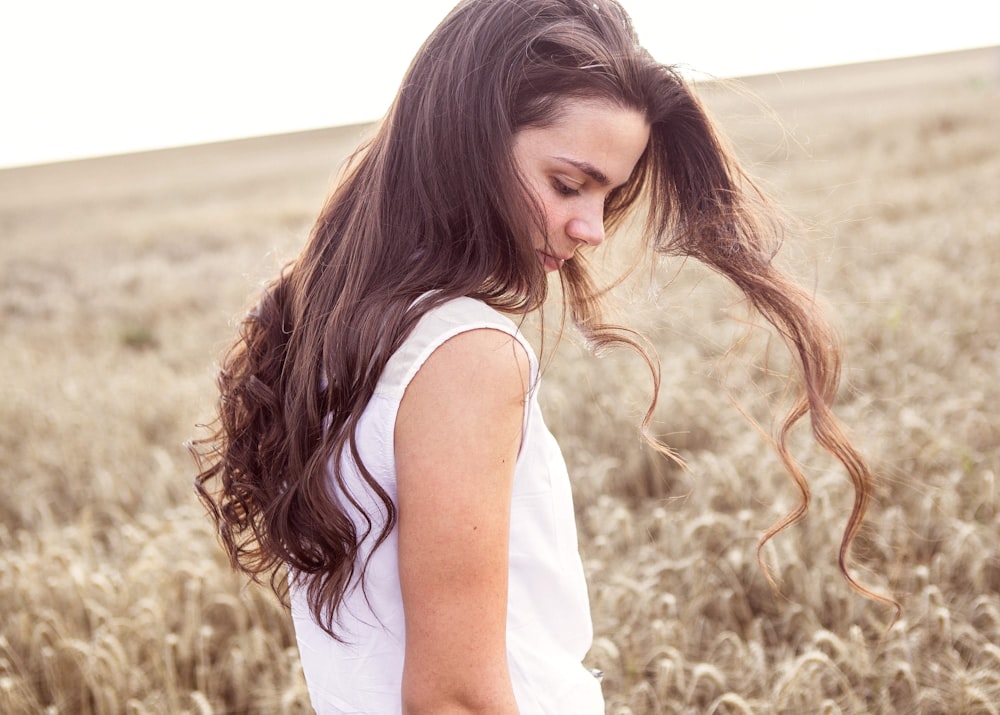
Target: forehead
[602, 135]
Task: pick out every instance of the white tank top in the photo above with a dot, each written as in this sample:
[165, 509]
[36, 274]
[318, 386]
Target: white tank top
[549, 629]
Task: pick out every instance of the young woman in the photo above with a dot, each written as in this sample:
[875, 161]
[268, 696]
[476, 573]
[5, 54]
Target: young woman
[380, 443]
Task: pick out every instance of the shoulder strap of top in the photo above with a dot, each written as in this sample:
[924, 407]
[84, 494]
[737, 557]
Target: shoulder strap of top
[437, 326]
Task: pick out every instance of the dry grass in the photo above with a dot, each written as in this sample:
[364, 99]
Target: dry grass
[121, 279]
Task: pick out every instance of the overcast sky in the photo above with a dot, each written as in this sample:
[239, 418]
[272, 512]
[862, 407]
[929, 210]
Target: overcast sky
[86, 78]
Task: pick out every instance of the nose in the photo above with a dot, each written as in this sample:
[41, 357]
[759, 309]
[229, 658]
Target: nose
[587, 228]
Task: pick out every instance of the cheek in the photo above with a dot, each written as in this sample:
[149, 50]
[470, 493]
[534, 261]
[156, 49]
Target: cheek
[554, 217]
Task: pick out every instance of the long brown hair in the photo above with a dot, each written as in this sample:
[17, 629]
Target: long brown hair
[433, 202]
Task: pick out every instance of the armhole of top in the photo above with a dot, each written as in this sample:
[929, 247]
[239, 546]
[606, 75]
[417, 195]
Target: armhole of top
[430, 348]
[437, 327]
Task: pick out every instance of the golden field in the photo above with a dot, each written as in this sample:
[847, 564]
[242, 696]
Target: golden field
[122, 280]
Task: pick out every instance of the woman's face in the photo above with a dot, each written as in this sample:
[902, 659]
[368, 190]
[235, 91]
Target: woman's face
[572, 165]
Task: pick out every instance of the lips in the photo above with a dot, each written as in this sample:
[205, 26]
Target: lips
[553, 263]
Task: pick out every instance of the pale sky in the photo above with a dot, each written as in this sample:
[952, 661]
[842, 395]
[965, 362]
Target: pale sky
[87, 78]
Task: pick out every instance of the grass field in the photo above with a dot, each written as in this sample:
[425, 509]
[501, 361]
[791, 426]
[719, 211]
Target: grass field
[120, 282]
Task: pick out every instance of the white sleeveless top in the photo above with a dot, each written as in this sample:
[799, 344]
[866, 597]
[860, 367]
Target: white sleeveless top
[549, 629]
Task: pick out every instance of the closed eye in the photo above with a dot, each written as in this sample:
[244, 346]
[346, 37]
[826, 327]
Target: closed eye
[563, 189]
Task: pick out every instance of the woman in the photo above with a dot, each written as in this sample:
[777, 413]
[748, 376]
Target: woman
[379, 435]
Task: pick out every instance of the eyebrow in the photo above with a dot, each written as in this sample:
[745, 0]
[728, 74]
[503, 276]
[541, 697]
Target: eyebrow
[587, 168]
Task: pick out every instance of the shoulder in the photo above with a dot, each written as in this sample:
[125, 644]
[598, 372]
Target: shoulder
[460, 335]
[479, 365]
[468, 396]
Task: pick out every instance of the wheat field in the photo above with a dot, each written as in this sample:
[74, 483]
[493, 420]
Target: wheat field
[122, 279]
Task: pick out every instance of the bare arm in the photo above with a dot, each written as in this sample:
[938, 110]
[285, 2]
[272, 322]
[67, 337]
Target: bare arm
[457, 435]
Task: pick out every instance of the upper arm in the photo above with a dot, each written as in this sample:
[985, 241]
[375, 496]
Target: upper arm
[457, 436]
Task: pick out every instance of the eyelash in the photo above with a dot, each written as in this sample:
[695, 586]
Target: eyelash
[564, 190]
[561, 188]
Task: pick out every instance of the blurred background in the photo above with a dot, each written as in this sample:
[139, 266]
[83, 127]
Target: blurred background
[122, 280]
